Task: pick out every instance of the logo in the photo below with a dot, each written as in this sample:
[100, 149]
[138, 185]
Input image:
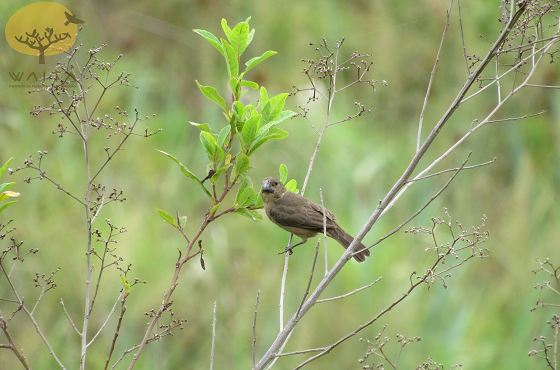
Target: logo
[43, 28]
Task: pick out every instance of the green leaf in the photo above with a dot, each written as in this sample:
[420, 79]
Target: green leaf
[246, 183]
[231, 59]
[250, 37]
[237, 107]
[5, 186]
[224, 135]
[8, 194]
[292, 186]
[202, 126]
[273, 133]
[247, 111]
[256, 60]
[125, 284]
[264, 97]
[263, 131]
[216, 176]
[213, 95]
[3, 168]
[276, 133]
[250, 129]
[245, 197]
[258, 202]
[6, 205]
[284, 115]
[250, 214]
[245, 194]
[250, 84]
[212, 39]
[215, 208]
[241, 165]
[182, 222]
[239, 37]
[273, 108]
[226, 28]
[283, 173]
[167, 217]
[235, 88]
[256, 215]
[209, 143]
[187, 173]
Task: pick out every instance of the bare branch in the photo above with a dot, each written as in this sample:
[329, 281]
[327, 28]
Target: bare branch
[350, 293]
[214, 334]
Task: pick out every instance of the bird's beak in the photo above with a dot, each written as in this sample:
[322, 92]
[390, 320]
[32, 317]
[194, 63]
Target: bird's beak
[267, 187]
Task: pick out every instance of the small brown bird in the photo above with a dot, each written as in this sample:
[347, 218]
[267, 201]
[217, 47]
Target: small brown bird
[302, 217]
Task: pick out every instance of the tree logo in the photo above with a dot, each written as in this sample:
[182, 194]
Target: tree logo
[43, 28]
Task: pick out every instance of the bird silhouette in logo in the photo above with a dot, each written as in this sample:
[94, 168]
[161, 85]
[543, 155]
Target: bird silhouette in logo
[72, 19]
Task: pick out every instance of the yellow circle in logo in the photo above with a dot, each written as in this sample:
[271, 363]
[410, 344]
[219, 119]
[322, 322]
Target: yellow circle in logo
[43, 28]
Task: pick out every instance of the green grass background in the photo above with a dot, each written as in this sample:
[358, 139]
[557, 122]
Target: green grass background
[481, 320]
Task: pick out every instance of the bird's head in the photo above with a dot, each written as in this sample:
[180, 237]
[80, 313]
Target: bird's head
[272, 189]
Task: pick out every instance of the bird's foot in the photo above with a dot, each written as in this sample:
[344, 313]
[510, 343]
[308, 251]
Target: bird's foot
[287, 250]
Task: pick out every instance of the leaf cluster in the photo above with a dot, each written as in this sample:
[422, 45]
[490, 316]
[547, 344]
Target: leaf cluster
[247, 126]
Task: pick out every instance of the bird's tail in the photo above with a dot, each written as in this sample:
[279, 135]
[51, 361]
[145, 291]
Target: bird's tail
[345, 239]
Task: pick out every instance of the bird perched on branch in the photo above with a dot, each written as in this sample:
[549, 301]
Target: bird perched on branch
[302, 217]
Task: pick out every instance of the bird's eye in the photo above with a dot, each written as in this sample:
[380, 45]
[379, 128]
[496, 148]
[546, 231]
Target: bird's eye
[275, 183]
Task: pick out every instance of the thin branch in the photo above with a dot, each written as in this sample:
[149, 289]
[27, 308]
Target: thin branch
[283, 284]
[350, 293]
[310, 278]
[117, 330]
[517, 118]
[12, 346]
[463, 38]
[106, 320]
[324, 231]
[214, 336]
[432, 75]
[69, 318]
[300, 352]
[254, 328]
[452, 170]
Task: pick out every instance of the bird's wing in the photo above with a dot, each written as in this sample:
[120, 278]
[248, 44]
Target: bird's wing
[68, 15]
[293, 210]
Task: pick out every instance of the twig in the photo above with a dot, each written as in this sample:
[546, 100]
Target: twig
[106, 320]
[463, 37]
[324, 231]
[452, 169]
[214, 337]
[12, 346]
[283, 284]
[310, 278]
[300, 352]
[517, 118]
[69, 318]
[350, 293]
[254, 327]
[117, 330]
[432, 75]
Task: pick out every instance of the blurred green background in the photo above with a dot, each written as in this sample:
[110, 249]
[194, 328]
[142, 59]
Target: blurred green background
[481, 320]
